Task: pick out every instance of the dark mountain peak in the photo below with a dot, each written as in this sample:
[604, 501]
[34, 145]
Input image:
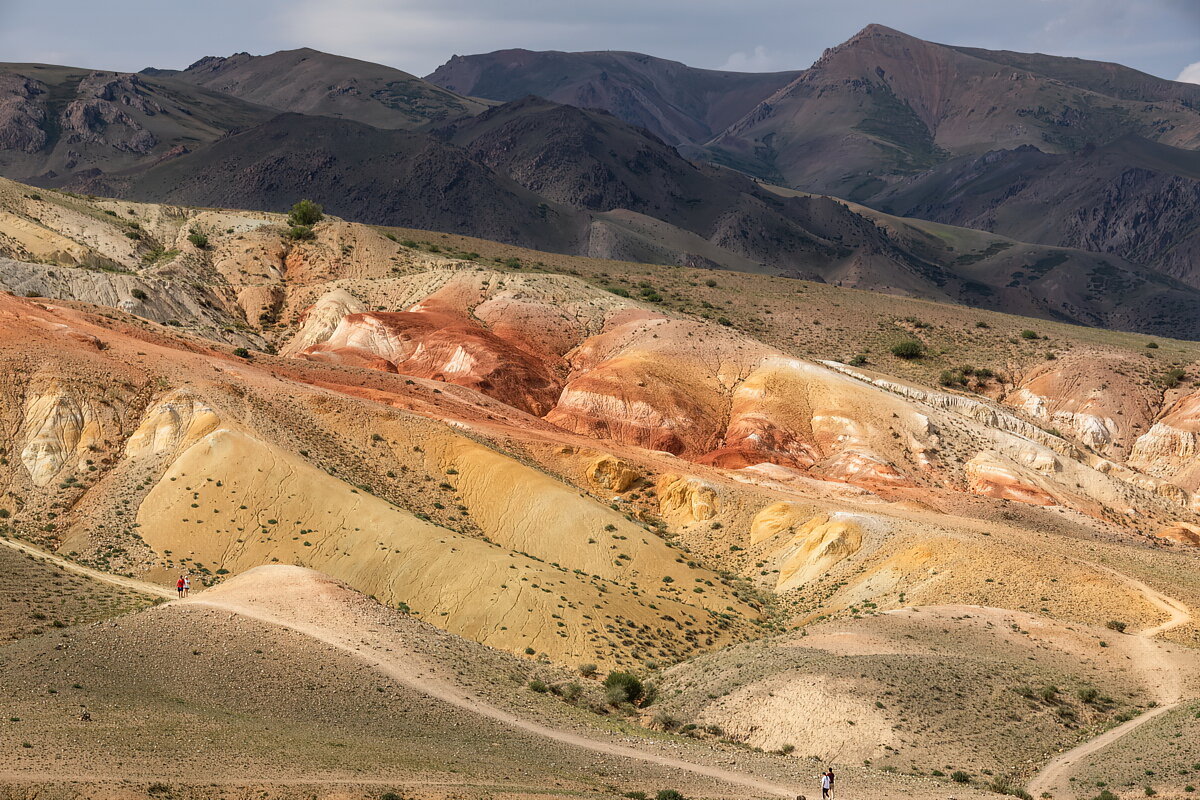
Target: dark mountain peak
[677, 103]
[216, 62]
[310, 81]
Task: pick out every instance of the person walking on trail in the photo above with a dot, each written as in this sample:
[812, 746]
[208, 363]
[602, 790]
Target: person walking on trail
[187, 586]
[179, 584]
[831, 781]
[826, 785]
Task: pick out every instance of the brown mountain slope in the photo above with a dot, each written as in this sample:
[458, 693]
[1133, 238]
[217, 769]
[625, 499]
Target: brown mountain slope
[677, 103]
[885, 104]
[364, 173]
[596, 163]
[56, 122]
[307, 81]
[1132, 197]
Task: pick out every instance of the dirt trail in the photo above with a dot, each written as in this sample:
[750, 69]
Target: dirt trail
[407, 669]
[145, 587]
[1162, 675]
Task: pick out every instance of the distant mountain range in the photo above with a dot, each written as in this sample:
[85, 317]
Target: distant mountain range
[1083, 176]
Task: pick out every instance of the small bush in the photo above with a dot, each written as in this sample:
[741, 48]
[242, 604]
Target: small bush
[1028, 334]
[858, 361]
[1003, 784]
[298, 233]
[668, 794]
[305, 213]
[538, 686]
[1152, 345]
[1116, 625]
[1087, 694]
[138, 294]
[588, 670]
[1173, 377]
[241, 352]
[667, 722]
[958, 776]
[908, 349]
[624, 686]
[198, 239]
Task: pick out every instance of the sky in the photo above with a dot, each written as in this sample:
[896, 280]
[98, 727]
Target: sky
[1161, 37]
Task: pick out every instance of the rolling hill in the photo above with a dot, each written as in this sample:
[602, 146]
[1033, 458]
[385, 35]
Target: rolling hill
[508, 465]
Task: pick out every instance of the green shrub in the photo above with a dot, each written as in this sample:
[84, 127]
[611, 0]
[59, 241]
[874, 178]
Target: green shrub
[241, 352]
[1087, 694]
[198, 239]
[908, 349]
[1028, 334]
[299, 233]
[1173, 377]
[858, 361]
[1116, 625]
[1004, 784]
[538, 686]
[305, 213]
[1152, 345]
[588, 670]
[668, 794]
[138, 294]
[958, 776]
[623, 687]
[668, 722]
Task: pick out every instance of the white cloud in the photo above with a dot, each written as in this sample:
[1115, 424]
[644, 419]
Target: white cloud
[757, 61]
[1190, 74]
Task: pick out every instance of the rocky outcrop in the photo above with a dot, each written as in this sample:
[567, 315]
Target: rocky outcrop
[683, 499]
[977, 410]
[1170, 448]
[58, 429]
[444, 346]
[818, 545]
[1182, 533]
[992, 475]
[175, 421]
[775, 519]
[98, 114]
[22, 116]
[609, 472]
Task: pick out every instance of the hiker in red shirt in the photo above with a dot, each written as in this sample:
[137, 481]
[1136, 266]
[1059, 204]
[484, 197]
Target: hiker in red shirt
[179, 584]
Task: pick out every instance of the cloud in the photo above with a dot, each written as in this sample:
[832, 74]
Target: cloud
[758, 61]
[1190, 74]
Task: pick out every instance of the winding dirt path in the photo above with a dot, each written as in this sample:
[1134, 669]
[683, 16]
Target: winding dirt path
[1161, 673]
[145, 587]
[410, 671]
